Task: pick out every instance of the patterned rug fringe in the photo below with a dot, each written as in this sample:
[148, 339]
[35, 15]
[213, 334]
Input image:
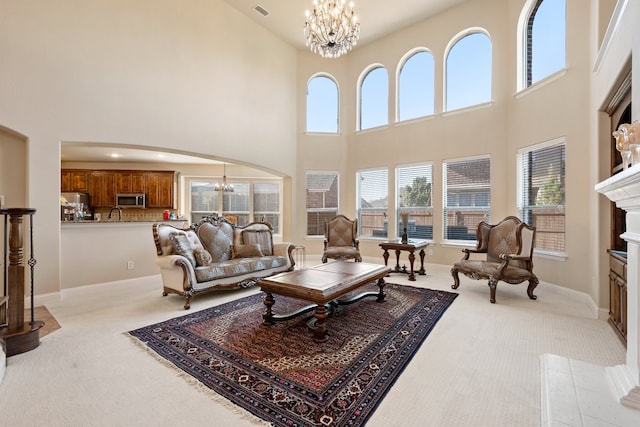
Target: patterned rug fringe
[201, 387]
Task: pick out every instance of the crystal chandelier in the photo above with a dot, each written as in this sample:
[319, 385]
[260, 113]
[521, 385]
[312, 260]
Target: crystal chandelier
[332, 29]
[224, 186]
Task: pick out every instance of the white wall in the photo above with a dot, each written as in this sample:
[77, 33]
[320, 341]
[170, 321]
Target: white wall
[196, 75]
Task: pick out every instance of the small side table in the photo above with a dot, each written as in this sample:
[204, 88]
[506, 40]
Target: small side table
[411, 246]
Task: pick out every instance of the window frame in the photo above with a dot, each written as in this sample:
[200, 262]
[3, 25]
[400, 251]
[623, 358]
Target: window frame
[323, 209]
[399, 91]
[359, 208]
[337, 87]
[521, 190]
[445, 201]
[363, 76]
[413, 228]
[186, 190]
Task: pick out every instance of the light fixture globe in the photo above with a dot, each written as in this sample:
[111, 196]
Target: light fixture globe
[332, 29]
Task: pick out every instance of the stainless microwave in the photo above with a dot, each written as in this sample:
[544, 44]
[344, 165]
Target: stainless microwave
[130, 200]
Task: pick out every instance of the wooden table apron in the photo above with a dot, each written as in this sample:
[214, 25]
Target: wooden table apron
[321, 285]
[411, 247]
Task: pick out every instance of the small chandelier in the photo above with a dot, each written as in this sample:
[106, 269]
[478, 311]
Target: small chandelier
[224, 186]
[332, 29]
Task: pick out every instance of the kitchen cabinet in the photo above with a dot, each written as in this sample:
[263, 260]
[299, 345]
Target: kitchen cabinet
[102, 187]
[130, 182]
[74, 181]
[159, 189]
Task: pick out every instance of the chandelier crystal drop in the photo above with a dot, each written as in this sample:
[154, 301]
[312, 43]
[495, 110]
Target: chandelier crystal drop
[332, 29]
[224, 186]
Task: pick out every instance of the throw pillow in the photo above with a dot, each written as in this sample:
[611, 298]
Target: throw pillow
[261, 237]
[183, 246]
[203, 257]
[247, 251]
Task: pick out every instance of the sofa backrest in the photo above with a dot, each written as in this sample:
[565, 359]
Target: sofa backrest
[216, 237]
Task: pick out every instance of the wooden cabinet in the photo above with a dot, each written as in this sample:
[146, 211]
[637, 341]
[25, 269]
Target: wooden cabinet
[102, 187]
[618, 293]
[130, 182]
[74, 181]
[159, 189]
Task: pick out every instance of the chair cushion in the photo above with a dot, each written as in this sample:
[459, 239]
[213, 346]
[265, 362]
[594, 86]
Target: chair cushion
[341, 252]
[239, 266]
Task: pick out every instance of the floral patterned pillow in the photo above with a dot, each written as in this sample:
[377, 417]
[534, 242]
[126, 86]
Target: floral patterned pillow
[203, 257]
[183, 246]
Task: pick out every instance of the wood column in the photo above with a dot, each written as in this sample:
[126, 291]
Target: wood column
[19, 336]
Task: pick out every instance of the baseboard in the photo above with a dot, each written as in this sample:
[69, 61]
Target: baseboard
[596, 312]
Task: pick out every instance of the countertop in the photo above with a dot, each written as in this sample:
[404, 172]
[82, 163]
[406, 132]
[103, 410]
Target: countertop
[180, 223]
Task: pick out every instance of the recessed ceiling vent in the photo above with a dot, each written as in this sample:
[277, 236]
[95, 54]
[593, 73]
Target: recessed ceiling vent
[261, 10]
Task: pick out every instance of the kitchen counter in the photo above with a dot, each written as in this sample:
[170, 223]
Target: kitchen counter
[178, 223]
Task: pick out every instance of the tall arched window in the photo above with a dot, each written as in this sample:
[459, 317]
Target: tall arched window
[545, 39]
[468, 71]
[416, 86]
[374, 99]
[322, 105]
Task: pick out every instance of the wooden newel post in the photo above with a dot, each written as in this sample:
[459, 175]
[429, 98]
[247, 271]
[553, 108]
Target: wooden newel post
[18, 335]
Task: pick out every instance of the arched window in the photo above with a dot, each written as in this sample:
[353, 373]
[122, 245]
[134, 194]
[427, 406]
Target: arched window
[468, 71]
[545, 36]
[322, 105]
[374, 99]
[416, 86]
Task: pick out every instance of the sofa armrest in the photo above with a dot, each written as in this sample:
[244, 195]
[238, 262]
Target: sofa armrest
[285, 249]
[172, 265]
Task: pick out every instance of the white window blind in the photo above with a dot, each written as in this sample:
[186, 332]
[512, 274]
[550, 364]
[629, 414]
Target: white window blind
[467, 197]
[542, 194]
[414, 193]
[266, 203]
[373, 202]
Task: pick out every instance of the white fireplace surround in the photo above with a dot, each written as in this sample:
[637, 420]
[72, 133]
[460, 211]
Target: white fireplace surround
[624, 190]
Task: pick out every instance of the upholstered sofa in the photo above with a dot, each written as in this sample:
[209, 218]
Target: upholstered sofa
[216, 254]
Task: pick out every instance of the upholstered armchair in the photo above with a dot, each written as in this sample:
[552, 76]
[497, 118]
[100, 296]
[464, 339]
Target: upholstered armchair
[508, 247]
[340, 239]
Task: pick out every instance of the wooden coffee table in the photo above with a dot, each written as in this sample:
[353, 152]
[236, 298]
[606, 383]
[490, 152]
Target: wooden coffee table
[322, 285]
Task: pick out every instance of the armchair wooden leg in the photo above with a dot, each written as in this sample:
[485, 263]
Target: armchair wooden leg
[493, 284]
[532, 285]
[456, 279]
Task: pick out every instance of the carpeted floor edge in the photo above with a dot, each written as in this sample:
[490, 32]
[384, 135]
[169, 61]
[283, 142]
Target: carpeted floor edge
[189, 379]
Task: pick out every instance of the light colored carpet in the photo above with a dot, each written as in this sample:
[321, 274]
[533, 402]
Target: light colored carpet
[479, 366]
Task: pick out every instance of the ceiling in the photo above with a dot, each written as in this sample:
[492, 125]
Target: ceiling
[377, 17]
[285, 19]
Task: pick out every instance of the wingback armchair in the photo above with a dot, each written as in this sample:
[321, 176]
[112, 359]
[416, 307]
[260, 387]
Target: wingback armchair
[508, 247]
[340, 240]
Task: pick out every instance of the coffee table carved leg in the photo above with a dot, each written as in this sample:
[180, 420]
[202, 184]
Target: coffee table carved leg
[422, 271]
[412, 258]
[267, 317]
[381, 294]
[320, 331]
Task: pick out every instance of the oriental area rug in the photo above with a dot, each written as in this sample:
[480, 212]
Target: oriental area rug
[280, 374]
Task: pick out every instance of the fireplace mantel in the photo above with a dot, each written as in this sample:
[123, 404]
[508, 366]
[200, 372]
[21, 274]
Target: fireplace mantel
[624, 189]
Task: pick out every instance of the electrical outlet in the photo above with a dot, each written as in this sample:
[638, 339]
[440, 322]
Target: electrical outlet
[430, 252]
[1, 201]
[129, 265]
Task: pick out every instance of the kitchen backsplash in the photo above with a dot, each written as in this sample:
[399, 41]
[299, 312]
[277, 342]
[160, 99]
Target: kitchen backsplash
[135, 214]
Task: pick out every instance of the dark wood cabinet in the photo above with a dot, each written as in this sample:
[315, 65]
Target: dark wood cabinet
[130, 182]
[102, 187]
[74, 181]
[618, 293]
[159, 189]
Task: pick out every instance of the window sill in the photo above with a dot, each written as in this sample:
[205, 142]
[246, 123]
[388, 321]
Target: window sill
[541, 83]
[556, 256]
